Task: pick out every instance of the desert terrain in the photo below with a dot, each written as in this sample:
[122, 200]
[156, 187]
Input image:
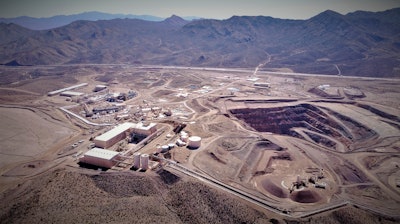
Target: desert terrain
[276, 146]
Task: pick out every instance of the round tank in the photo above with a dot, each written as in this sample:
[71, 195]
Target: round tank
[136, 160]
[99, 87]
[184, 138]
[144, 160]
[164, 148]
[194, 142]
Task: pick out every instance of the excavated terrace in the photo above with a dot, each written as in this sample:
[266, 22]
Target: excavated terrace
[306, 121]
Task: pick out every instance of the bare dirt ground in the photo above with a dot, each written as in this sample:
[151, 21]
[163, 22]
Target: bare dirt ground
[258, 140]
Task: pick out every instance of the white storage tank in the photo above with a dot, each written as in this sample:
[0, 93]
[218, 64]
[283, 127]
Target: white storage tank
[136, 160]
[180, 143]
[99, 88]
[194, 142]
[164, 148]
[144, 160]
[184, 137]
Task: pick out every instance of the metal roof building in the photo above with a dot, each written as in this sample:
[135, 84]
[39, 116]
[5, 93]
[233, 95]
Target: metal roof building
[113, 136]
[100, 157]
[144, 129]
[71, 93]
[52, 93]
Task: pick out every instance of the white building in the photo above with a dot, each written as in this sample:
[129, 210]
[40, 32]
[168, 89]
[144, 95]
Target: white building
[113, 136]
[52, 93]
[98, 88]
[144, 128]
[100, 157]
[70, 93]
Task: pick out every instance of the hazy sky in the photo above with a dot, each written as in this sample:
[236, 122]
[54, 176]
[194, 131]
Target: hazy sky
[218, 9]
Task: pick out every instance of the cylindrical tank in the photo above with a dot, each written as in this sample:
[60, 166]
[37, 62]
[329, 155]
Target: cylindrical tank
[144, 160]
[171, 145]
[164, 148]
[194, 142]
[99, 88]
[184, 137]
[180, 143]
[136, 160]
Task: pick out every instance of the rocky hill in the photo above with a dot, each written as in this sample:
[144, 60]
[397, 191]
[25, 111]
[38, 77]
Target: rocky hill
[62, 20]
[358, 44]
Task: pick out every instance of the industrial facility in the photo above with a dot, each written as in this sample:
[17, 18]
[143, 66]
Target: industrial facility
[144, 128]
[70, 93]
[55, 92]
[194, 142]
[122, 131]
[113, 136]
[100, 157]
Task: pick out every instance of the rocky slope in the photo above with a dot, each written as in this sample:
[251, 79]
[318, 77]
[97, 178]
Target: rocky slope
[360, 43]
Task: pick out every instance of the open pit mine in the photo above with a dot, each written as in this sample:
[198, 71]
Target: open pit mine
[151, 140]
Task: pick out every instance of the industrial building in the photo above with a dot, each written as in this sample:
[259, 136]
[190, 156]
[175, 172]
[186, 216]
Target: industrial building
[122, 131]
[144, 128]
[98, 88]
[106, 110]
[262, 84]
[70, 93]
[100, 157]
[52, 93]
[113, 136]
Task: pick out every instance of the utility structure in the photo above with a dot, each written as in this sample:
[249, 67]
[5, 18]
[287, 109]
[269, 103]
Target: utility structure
[297, 184]
[100, 157]
[136, 160]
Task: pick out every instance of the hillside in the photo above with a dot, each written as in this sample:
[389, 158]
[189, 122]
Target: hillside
[134, 198]
[357, 44]
[62, 20]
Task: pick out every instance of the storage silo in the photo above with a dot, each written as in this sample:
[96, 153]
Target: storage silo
[194, 142]
[164, 148]
[144, 160]
[184, 137]
[136, 160]
[180, 143]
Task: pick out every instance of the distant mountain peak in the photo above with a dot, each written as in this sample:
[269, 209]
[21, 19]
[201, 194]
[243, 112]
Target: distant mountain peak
[328, 14]
[175, 21]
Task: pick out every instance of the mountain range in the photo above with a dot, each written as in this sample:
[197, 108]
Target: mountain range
[358, 44]
[62, 20]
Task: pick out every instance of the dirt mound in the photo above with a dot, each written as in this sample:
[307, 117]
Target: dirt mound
[274, 189]
[162, 93]
[69, 197]
[168, 177]
[305, 196]
[125, 184]
[350, 214]
[197, 203]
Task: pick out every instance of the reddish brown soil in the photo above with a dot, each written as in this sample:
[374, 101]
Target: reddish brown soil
[274, 189]
[305, 196]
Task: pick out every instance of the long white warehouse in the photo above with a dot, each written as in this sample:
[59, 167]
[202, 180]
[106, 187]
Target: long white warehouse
[100, 157]
[121, 131]
[113, 136]
[52, 93]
